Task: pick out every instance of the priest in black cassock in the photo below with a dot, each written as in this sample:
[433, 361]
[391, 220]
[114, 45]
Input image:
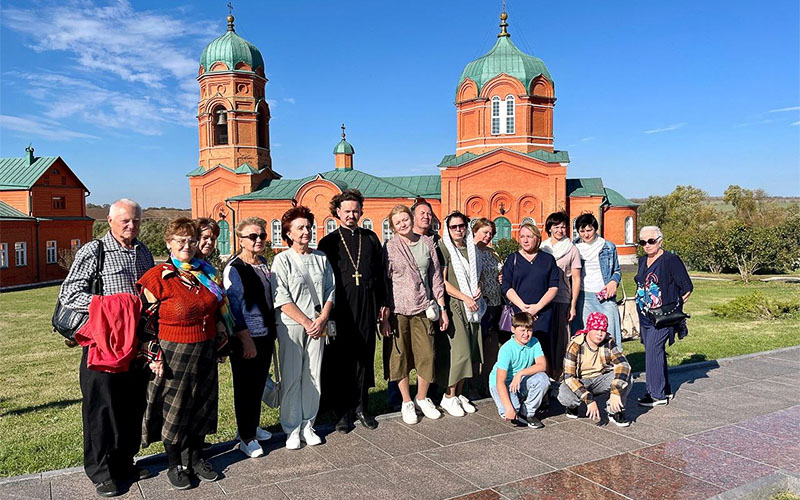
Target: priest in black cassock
[348, 366]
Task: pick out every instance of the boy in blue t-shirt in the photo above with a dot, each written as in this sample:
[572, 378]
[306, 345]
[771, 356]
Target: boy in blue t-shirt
[518, 381]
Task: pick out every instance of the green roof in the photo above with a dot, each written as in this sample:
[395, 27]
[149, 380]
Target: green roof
[18, 173]
[9, 212]
[615, 199]
[506, 58]
[369, 185]
[245, 168]
[231, 49]
[344, 147]
[539, 154]
[242, 169]
[592, 186]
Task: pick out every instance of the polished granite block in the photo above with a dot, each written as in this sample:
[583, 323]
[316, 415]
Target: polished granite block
[642, 479]
[344, 450]
[782, 425]
[422, 478]
[597, 434]
[450, 430]
[159, 487]
[487, 463]
[778, 394]
[751, 444]
[761, 367]
[263, 492]
[26, 489]
[650, 434]
[788, 354]
[77, 486]
[396, 438]
[687, 414]
[481, 495]
[556, 486]
[354, 483]
[554, 447]
[703, 462]
[703, 380]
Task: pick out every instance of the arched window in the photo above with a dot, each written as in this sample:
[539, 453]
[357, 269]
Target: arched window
[367, 224]
[219, 121]
[313, 241]
[330, 226]
[387, 230]
[503, 226]
[224, 240]
[509, 115]
[261, 126]
[529, 220]
[277, 241]
[495, 115]
[629, 230]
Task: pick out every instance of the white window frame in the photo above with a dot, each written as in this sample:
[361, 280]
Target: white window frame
[21, 253]
[575, 233]
[3, 255]
[331, 226]
[276, 229]
[503, 115]
[509, 124]
[496, 111]
[51, 251]
[387, 230]
[366, 224]
[629, 232]
[74, 244]
[313, 242]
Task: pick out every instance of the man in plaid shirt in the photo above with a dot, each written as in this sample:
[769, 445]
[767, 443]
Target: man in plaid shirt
[113, 403]
[594, 364]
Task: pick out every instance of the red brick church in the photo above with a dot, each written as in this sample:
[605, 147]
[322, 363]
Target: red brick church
[504, 166]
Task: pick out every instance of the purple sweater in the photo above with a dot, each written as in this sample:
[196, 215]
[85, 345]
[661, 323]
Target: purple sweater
[406, 292]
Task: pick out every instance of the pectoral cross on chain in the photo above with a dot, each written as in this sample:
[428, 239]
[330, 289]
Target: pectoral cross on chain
[357, 275]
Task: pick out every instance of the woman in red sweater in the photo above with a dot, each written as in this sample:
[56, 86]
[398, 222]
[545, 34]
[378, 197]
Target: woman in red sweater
[186, 321]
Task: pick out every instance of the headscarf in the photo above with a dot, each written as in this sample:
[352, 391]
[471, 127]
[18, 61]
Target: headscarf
[595, 321]
[467, 271]
[208, 276]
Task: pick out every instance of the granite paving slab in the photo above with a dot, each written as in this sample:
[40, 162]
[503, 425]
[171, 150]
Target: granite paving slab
[396, 438]
[76, 486]
[792, 354]
[590, 431]
[160, 488]
[268, 492]
[423, 479]
[482, 495]
[555, 447]
[345, 450]
[32, 488]
[761, 367]
[702, 380]
[354, 483]
[642, 431]
[552, 486]
[751, 444]
[450, 430]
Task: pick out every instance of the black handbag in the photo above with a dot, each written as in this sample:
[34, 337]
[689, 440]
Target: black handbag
[668, 315]
[66, 321]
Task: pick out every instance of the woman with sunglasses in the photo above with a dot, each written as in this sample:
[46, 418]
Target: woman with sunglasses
[660, 280]
[247, 282]
[462, 275]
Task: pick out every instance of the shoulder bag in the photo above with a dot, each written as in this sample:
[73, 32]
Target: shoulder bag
[272, 389]
[330, 328]
[507, 313]
[66, 321]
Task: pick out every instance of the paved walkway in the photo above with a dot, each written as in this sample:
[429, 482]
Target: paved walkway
[731, 423]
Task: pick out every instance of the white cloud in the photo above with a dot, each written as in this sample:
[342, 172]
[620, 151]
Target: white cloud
[780, 110]
[41, 127]
[272, 103]
[587, 139]
[759, 122]
[674, 126]
[290, 100]
[796, 123]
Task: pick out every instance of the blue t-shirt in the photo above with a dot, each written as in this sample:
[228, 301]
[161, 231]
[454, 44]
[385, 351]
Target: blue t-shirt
[514, 357]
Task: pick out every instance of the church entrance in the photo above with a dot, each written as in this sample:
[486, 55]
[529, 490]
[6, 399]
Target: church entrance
[503, 226]
[224, 240]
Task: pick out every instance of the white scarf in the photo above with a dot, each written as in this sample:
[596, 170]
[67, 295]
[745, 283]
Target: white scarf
[560, 249]
[591, 250]
[467, 273]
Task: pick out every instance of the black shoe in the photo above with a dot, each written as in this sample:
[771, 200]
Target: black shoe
[136, 473]
[572, 412]
[533, 422]
[204, 471]
[107, 488]
[343, 425]
[619, 419]
[178, 478]
[650, 401]
[367, 420]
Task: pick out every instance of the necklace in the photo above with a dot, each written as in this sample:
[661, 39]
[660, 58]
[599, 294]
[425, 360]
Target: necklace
[357, 275]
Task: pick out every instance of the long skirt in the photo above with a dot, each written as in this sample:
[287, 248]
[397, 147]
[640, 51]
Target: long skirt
[587, 303]
[182, 404]
[462, 348]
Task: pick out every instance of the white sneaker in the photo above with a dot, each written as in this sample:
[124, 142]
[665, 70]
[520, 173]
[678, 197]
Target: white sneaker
[252, 449]
[293, 440]
[466, 405]
[261, 434]
[310, 437]
[452, 406]
[409, 413]
[428, 408]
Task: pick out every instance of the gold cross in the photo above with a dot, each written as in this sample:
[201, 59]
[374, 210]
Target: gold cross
[357, 275]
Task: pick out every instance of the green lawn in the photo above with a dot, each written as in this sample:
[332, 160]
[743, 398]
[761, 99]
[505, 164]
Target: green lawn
[40, 420]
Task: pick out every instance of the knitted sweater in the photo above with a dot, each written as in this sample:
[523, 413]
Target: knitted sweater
[187, 311]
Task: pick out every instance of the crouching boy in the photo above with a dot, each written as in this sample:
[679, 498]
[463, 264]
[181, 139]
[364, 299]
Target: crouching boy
[518, 380]
[594, 364]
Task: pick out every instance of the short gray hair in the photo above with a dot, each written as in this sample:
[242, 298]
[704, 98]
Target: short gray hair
[124, 201]
[654, 229]
[251, 221]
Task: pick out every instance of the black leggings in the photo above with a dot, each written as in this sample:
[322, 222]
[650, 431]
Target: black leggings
[249, 378]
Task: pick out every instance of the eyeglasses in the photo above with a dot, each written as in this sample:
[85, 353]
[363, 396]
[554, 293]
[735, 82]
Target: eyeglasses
[458, 227]
[182, 242]
[651, 241]
[255, 236]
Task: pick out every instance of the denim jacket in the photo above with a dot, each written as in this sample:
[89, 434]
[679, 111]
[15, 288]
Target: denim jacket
[609, 262]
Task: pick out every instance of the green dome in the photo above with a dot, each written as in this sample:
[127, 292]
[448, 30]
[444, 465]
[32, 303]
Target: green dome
[231, 49]
[506, 58]
[344, 147]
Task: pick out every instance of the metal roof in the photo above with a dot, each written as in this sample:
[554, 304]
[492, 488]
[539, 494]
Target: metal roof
[506, 58]
[17, 173]
[231, 49]
[592, 186]
[344, 147]
[615, 199]
[539, 154]
[9, 212]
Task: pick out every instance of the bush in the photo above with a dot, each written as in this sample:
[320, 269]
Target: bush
[505, 247]
[756, 306]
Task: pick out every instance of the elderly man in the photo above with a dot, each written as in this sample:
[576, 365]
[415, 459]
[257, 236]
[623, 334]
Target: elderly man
[113, 403]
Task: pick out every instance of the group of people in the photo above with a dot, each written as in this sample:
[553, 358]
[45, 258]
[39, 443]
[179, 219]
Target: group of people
[443, 307]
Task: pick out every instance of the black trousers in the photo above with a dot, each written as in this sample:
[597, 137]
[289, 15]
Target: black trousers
[249, 378]
[112, 410]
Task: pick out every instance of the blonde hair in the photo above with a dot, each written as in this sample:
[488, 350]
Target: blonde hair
[399, 209]
[535, 230]
[251, 221]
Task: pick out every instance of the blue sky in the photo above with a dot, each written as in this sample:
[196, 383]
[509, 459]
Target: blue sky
[650, 94]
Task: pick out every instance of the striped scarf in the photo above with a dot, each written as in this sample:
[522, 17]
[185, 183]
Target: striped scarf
[208, 276]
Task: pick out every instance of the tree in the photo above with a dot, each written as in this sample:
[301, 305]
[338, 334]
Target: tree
[750, 247]
[99, 228]
[505, 247]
